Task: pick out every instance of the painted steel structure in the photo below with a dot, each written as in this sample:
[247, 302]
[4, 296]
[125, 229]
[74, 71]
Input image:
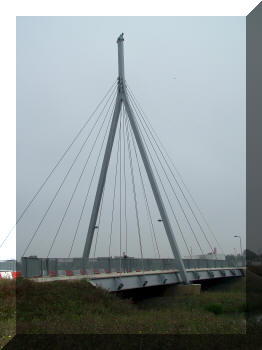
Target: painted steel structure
[122, 98]
[136, 280]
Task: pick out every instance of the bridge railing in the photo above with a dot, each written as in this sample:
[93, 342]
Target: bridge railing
[7, 265]
[40, 267]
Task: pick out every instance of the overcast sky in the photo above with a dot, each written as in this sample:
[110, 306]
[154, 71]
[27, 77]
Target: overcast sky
[188, 73]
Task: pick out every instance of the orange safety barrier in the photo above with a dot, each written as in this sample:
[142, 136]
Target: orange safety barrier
[17, 274]
[69, 273]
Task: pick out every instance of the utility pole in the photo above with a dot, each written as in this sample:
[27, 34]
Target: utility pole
[122, 98]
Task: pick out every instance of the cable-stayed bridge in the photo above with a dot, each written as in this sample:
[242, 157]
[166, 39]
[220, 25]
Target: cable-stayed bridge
[130, 187]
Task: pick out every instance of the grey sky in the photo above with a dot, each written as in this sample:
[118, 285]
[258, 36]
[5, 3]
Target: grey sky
[64, 67]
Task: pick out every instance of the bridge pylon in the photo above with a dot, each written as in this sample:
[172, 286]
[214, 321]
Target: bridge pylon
[122, 99]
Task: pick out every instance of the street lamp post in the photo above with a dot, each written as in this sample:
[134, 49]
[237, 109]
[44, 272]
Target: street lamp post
[240, 243]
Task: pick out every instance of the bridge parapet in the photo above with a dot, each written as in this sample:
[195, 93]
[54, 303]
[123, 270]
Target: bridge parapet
[41, 267]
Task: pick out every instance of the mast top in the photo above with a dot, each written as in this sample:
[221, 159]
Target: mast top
[121, 70]
[120, 38]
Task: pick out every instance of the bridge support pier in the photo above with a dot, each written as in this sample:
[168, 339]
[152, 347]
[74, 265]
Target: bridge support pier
[182, 290]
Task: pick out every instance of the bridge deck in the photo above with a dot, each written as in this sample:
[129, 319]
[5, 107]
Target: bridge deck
[108, 273]
[131, 280]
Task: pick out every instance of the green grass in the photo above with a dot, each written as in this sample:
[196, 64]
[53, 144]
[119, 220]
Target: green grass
[257, 269]
[77, 307]
[7, 311]
[254, 300]
[254, 285]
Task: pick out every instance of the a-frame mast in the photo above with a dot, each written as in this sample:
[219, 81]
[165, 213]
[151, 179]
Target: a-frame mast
[122, 98]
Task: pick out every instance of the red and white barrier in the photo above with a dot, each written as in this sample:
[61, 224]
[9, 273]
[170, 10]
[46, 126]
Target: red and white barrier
[10, 275]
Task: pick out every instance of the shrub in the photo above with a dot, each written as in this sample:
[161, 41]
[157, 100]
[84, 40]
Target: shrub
[217, 308]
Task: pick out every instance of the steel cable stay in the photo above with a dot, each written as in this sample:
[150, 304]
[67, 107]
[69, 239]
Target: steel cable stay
[98, 227]
[169, 202]
[114, 195]
[79, 179]
[58, 163]
[88, 190]
[99, 220]
[151, 226]
[159, 178]
[149, 125]
[149, 216]
[125, 181]
[200, 226]
[172, 188]
[120, 187]
[180, 205]
[135, 197]
[65, 177]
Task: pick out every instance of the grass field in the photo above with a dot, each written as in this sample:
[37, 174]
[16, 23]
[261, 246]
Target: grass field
[7, 311]
[254, 299]
[77, 307]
